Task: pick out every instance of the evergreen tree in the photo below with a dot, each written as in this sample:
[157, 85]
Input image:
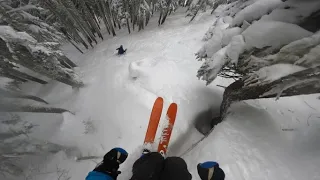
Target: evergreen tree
[243, 51]
[42, 58]
[16, 145]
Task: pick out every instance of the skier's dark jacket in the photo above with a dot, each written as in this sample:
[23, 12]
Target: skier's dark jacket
[94, 175]
[152, 167]
[121, 50]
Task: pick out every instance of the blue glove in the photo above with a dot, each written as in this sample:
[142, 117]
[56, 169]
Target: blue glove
[210, 171]
[111, 162]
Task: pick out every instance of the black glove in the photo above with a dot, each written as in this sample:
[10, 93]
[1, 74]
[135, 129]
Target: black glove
[210, 171]
[148, 167]
[111, 162]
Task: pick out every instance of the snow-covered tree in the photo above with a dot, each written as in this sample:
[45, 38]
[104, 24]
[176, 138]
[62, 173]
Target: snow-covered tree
[196, 5]
[16, 145]
[271, 48]
[44, 58]
[30, 42]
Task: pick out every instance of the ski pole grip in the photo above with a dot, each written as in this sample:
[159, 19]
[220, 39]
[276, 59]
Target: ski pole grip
[210, 171]
[118, 154]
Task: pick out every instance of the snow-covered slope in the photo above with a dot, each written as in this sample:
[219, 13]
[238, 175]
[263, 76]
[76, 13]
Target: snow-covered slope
[259, 139]
[265, 139]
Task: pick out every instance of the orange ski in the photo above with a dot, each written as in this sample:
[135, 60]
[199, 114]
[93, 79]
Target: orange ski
[154, 121]
[166, 132]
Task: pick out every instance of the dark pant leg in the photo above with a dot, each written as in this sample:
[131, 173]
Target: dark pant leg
[175, 168]
[148, 167]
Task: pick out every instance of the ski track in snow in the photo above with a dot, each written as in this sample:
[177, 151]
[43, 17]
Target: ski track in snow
[260, 139]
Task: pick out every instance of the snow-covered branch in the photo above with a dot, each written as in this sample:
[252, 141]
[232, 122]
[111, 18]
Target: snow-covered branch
[43, 58]
[25, 8]
[273, 37]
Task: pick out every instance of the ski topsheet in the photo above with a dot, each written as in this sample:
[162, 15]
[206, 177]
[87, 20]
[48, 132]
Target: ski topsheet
[154, 121]
[167, 131]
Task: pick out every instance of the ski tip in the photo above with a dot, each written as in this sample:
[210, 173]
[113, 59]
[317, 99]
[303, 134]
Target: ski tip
[173, 106]
[159, 99]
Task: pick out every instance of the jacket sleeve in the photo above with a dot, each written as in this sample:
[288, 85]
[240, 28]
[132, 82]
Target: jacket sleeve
[94, 175]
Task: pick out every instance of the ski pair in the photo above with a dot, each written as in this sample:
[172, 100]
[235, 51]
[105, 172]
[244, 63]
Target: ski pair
[154, 123]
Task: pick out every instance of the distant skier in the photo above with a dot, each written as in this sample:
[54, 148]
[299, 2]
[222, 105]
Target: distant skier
[152, 166]
[121, 50]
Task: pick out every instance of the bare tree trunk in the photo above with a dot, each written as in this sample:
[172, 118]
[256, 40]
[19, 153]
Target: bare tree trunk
[90, 18]
[195, 14]
[127, 10]
[160, 17]
[76, 17]
[102, 14]
[106, 10]
[70, 40]
[166, 12]
[164, 17]
[128, 25]
[153, 7]
[68, 61]
[68, 25]
[217, 3]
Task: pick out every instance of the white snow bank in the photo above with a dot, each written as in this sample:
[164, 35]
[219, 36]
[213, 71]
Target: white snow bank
[219, 25]
[273, 33]
[214, 44]
[236, 47]
[220, 37]
[215, 64]
[228, 34]
[255, 11]
[283, 15]
[264, 140]
[293, 11]
[271, 73]
[227, 19]
[139, 68]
